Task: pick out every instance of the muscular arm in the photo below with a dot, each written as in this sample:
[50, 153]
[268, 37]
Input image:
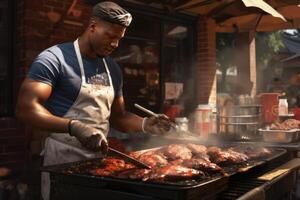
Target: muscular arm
[123, 120]
[31, 111]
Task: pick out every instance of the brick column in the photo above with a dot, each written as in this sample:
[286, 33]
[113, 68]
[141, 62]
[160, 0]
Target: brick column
[206, 61]
[252, 62]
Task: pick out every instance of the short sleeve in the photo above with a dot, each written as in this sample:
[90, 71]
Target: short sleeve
[119, 89]
[117, 77]
[45, 68]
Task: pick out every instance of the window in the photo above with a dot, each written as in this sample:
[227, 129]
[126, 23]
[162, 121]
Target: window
[157, 50]
[138, 56]
[6, 61]
[178, 81]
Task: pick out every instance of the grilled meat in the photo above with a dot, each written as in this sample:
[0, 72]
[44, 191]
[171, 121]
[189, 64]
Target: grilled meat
[176, 151]
[110, 166]
[202, 156]
[153, 160]
[196, 148]
[253, 152]
[104, 171]
[134, 174]
[201, 164]
[175, 162]
[174, 172]
[286, 125]
[134, 154]
[229, 156]
[113, 161]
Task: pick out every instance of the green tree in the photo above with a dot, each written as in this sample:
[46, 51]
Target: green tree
[225, 51]
[267, 44]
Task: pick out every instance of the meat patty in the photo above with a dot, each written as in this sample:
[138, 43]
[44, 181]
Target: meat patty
[176, 151]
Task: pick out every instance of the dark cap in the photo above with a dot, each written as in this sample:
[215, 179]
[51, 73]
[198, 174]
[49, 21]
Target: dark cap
[112, 12]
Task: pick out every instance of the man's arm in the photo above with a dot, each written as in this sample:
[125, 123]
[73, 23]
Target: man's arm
[123, 120]
[31, 111]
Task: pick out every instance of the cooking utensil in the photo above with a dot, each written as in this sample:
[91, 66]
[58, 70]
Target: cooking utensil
[172, 124]
[127, 158]
[149, 112]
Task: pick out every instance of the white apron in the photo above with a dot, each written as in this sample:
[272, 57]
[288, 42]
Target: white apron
[92, 106]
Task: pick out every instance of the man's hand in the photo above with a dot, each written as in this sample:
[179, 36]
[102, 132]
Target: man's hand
[157, 125]
[89, 137]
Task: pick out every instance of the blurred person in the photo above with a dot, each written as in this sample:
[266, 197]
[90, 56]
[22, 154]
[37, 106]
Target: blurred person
[293, 91]
[74, 91]
[277, 86]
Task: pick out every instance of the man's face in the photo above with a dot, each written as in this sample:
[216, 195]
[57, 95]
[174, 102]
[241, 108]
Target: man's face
[105, 36]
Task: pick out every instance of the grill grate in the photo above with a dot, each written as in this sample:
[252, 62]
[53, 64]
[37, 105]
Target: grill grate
[240, 187]
[83, 186]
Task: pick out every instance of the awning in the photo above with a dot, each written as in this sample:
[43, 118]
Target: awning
[239, 15]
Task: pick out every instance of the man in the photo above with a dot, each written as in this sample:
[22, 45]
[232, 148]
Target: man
[276, 86]
[293, 91]
[74, 90]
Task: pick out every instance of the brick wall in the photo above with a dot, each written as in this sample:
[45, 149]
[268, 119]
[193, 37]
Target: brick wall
[206, 61]
[39, 25]
[13, 142]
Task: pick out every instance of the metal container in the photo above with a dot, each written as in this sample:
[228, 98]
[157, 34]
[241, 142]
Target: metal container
[202, 123]
[280, 136]
[239, 128]
[239, 119]
[237, 110]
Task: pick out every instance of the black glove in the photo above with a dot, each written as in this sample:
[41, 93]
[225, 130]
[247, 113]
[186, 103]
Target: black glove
[156, 125]
[91, 138]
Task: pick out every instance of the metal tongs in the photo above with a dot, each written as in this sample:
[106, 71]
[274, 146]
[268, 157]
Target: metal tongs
[173, 125]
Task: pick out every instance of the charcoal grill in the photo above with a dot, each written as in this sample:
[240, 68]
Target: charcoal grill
[83, 186]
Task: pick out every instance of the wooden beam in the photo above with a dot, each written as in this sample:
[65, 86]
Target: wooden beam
[198, 4]
[221, 7]
[182, 2]
[223, 18]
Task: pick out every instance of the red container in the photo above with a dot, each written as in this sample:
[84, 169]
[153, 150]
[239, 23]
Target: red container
[269, 107]
[173, 111]
[202, 124]
[296, 112]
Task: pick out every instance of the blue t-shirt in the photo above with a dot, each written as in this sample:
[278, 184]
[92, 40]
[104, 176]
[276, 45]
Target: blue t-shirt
[58, 66]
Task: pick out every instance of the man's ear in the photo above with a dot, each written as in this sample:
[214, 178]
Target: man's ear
[92, 24]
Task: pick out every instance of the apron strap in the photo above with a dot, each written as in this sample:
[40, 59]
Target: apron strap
[79, 58]
[78, 54]
[108, 72]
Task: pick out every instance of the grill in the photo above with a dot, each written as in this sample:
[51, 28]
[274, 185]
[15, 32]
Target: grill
[82, 186]
[239, 188]
[278, 189]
